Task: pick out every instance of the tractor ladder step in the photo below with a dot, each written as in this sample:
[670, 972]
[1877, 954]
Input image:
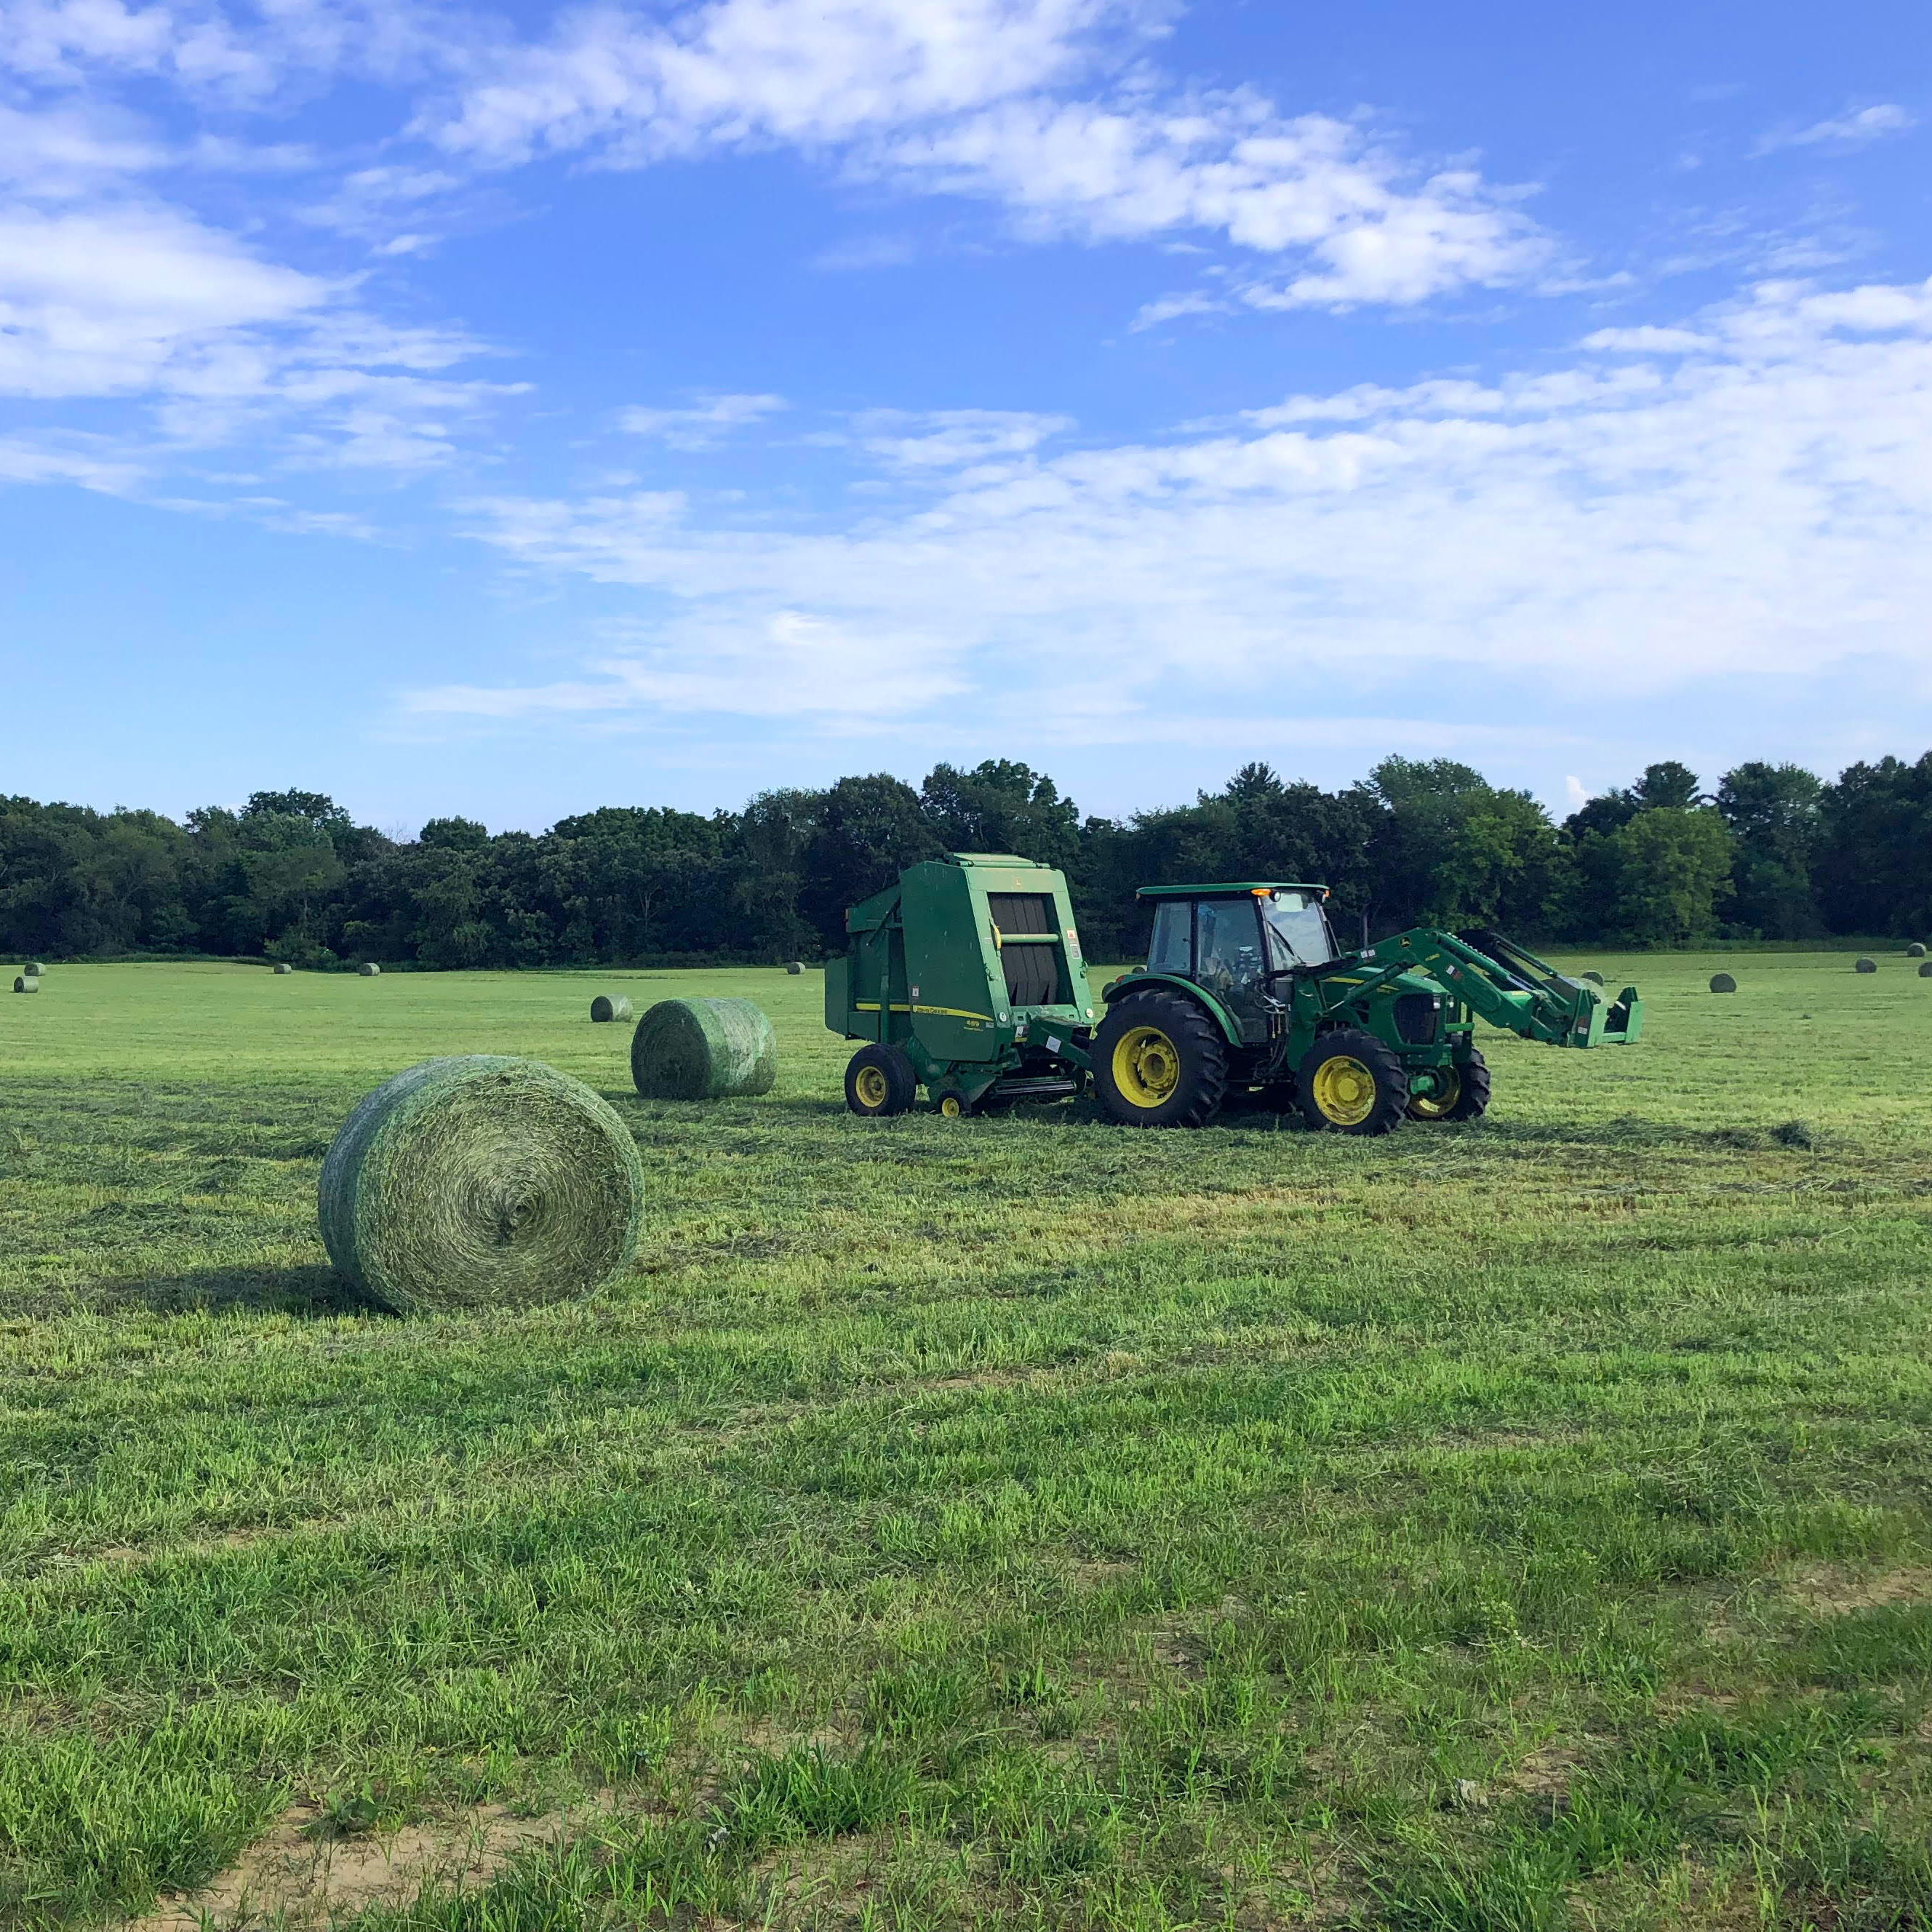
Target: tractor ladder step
[1050, 1088]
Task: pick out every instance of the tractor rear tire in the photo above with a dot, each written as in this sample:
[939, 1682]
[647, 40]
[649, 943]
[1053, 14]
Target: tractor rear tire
[1160, 1061]
[1468, 1099]
[880, 1081]
[1349, 1083]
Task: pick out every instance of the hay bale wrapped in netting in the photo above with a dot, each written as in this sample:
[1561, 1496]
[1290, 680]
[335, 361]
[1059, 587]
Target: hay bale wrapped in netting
[1866, 966]
[1925, 971]
[794, 966]
[605, 1008]
[480, 1182]
[32, 970]
[1723, 982]
[368, 969]
[26, 982]
[1915, 951]
[284, 967]
[1595, 979]
[704, 1050]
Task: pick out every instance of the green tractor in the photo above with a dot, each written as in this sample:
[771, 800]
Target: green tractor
[1245, 995]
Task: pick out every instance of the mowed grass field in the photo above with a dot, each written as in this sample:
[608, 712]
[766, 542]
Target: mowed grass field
[1008, 1522]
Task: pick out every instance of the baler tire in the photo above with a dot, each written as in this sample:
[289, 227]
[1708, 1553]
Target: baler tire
[1179, 1027]
[1471, 1100]
[880, 1082]
[1387, 1103]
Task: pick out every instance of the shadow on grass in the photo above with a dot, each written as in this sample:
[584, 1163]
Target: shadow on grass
[314, 1292]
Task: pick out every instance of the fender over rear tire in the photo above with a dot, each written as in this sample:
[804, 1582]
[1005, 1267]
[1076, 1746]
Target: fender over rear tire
[1348, 1082]
[1160, 1061]
[879, 1080]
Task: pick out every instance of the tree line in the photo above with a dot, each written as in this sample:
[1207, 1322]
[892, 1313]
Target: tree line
[1773, 852]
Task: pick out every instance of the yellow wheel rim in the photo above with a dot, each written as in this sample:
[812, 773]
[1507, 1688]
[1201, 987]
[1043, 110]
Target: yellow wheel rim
[1438, 1106]
[870, 1086]
[949, 1106]
[1345, 1091]
[1147, 1066]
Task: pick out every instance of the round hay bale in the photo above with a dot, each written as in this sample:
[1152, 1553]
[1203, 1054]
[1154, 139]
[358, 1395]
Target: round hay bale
[704, 1050]
[26, 982]
[480, 1182]
[1595, 979]
[605, 1008]
[1915, 951]
[1925, 971]
[368, 969]
[1723, 982]
[283, 967]
[32, 970]
[1866, 966]
[794, 966]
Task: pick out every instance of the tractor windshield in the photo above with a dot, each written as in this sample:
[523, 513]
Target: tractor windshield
[1298, 930]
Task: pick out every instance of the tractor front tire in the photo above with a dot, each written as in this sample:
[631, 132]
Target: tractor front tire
[1160, 1061]
[880, 1080]
[1468, 1098]
[1350, 1083]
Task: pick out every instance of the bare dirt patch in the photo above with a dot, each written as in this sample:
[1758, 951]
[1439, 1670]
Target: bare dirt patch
[298, 1876]
[1831, 1591]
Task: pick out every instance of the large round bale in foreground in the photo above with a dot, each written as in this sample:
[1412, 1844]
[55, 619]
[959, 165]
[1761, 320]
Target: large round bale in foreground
[605, 1008]
[368, 969]
[704, 1050]
[1723, 982]
[26, 982]
[480, 1182]
[1866, 966]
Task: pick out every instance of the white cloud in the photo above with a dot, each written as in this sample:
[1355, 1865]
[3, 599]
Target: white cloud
[702, 423]
[965, 97]
[1847, 131]
[1761, 502]
[953, 438]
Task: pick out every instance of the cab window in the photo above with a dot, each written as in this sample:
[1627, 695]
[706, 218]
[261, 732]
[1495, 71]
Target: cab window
[1171, 948]
[1297, 930]
[1228, 944]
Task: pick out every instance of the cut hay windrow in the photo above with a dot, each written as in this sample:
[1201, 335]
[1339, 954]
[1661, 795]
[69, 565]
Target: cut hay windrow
[604, 1007]
[480, 1181]
[704, 1050]
[1723, 982]
[26, 982]
[368, 969]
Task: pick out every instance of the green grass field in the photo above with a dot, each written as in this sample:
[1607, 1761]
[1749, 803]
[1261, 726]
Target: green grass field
[1005, 1522]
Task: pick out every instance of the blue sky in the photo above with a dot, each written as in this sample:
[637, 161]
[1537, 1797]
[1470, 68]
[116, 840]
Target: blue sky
[511, 413]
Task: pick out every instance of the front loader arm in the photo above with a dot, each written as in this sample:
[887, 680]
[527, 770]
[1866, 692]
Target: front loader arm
[1508, 986]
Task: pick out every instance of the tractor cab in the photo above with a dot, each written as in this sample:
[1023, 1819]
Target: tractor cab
[1238, 942]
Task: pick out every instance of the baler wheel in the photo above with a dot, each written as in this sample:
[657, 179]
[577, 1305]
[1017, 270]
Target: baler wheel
[1468, 1098]
[1160, 1061]
[880, 1080]
[1349, 1083]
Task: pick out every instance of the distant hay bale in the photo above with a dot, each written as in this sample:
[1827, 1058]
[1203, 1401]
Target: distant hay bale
[798, 965]
[1595, 979]
[704, 1050]
[1915, 951]
[1925, 971]
[605, 1008]
[480, 1182]
[368, 969]
[284, 967]
[1723, 982]
[26, 982]
[1866, 966]
[32, 970]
